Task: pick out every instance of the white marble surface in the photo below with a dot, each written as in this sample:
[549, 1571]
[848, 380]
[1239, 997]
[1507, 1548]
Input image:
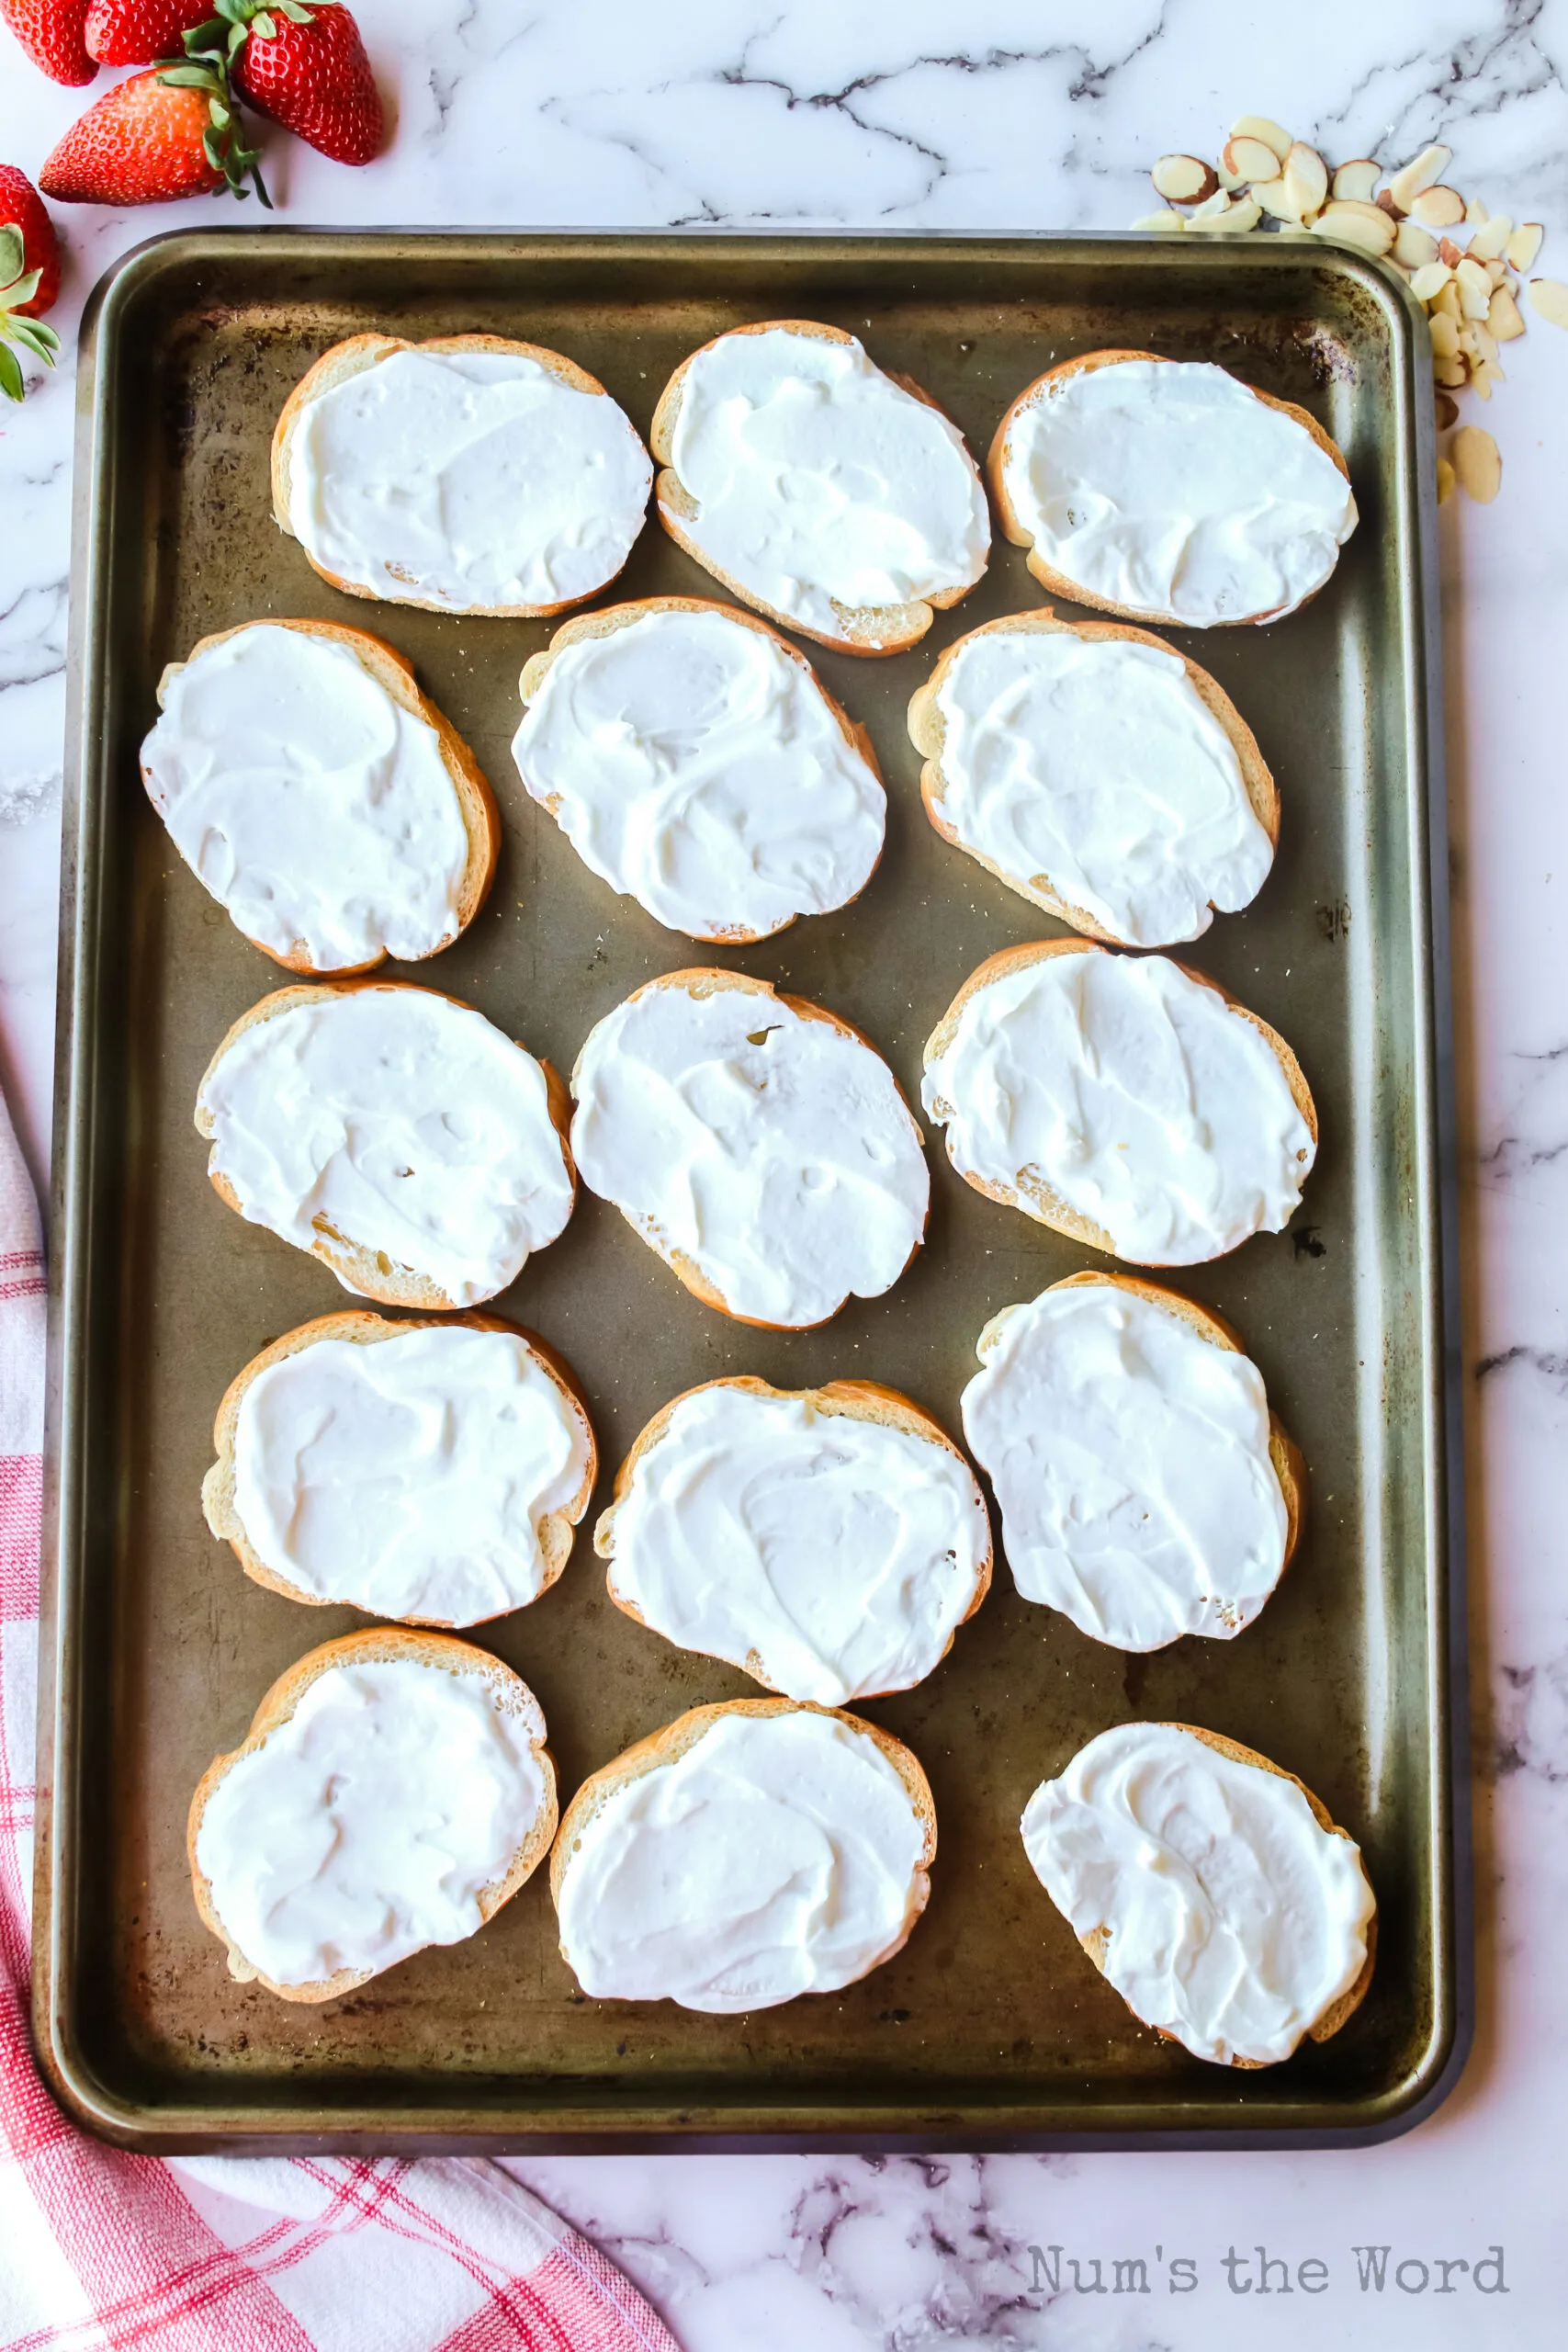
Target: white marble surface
[1019, 114]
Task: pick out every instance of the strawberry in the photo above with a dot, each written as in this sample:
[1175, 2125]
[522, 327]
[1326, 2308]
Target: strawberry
[171, 131]
[307, 70]
[30, 279]
[139, 32]
[51, 32]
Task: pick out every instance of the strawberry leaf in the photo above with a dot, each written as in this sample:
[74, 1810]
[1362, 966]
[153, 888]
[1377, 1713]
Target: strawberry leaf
[36, 337]
[222, 142]
[10, 374]
[13, 253]
[19, 291]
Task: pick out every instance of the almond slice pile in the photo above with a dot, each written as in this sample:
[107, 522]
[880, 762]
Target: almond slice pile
[1467, 267]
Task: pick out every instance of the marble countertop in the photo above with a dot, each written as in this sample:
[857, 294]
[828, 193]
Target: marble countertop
[1012, 114]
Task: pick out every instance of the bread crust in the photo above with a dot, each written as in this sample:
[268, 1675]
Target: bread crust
[377, 1646]
[352, 358]
[674, 1740]
[927, 732]
[872, 630]
[477, 804]
[854, 1400]
[1039, 1201]
[1056, 583]
[1330, 2021]
[361, 1328]
[372, 1275]
[618, 617]
[711, 980]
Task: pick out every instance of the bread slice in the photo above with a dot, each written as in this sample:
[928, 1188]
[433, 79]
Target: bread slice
[865, 629]
[360, 1328]
[711, 980]
[855, 1400]
[669, 1745]
[1324, 2027]
[1056, 583]
[393, 672]
[618, 617]
[351, 358]
[1035, 1197]
[376, 1646]
[927, 732]
[367, 1272]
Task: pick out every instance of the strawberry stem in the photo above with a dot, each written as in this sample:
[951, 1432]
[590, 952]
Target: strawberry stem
[209, 50]
[17, 286]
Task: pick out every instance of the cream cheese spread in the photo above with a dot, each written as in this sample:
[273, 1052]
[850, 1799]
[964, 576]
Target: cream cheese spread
[390, 1119]
[772, 1151]
[408, 1475]
[1130, 1460]
[314, 808]
[1169, 490]
[1231, 1918]
[472, 481]
[695, 763]
[821, 486]
[829, 1557]
[780, 1855]
[369, 1823]
[1093, 768]
[1132, 1094]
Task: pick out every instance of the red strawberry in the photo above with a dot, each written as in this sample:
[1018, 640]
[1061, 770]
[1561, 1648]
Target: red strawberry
[51, 32]
[21, 207]
[173, 131]
[307, 70]
[30, 279]
[137, 32]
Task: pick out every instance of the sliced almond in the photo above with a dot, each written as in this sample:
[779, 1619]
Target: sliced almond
[1447, 303]
[1259, 126]
[1362, 225]
[1276, 199]
[1475, 212]
[1525, 243]
[1306, 177]
[1231, 181]
[1429, 280]
[1357, 181]
[1447, 410]
[1445, 476]
[1160, 221]
[1496, 272]
[1444, 334]
[1503, 315]
[1490, 242]
[1474, 289]
[1485, 341]
[1385, 203]
[1465, 337]
[1418, 175]
[1449, 373]
[1234, 221]
[1484, 374]
[1182, 180]
[1451, 252]
[1414, 246]
[1548, 299]
[1245, 160]
[1211, 206]
[1437, 208]
[1478, 468]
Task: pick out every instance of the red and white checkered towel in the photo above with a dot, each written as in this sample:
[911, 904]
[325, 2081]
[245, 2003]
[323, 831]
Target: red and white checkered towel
[228, 2253]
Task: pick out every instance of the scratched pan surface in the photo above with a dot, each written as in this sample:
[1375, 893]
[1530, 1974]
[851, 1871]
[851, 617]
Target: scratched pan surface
[991, 2027]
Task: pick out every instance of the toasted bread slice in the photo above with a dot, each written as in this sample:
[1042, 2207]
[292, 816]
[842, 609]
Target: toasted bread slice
[555, 1529]
[506, 1692]
[475, 802]
[927, 732]
[862, 629]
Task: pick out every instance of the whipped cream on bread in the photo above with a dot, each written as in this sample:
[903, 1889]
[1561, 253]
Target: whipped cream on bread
[314, 808]
[820, 486]
[769, 1148]
[828, 1556]
[1168, 489]
[369, 1823]
[1130, 1460]
[1233, 1920]
[1093, 768]
[780, 1854]
[388, 1118]
[409, 1474]
[472, 481]
[695, 763]
[1132, 1094]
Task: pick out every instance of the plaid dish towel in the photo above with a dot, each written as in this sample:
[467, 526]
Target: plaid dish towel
[99, 2249]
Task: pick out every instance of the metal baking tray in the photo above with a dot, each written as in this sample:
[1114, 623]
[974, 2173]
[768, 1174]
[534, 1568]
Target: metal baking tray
[990, 2029]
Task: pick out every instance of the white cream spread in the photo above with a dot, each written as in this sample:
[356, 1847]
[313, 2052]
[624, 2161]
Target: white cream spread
[391, 1119]
[1130, 1460]
[1094, 768]
[1233, 1919]
[831, 1557]
[821, 486]
[1169, 488]
[473, 481]
[312, 805]
[780, 1855]
[370, 1823]
[695, 763]
[773, 1150]
[408, 1475]
[1132, 1094]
